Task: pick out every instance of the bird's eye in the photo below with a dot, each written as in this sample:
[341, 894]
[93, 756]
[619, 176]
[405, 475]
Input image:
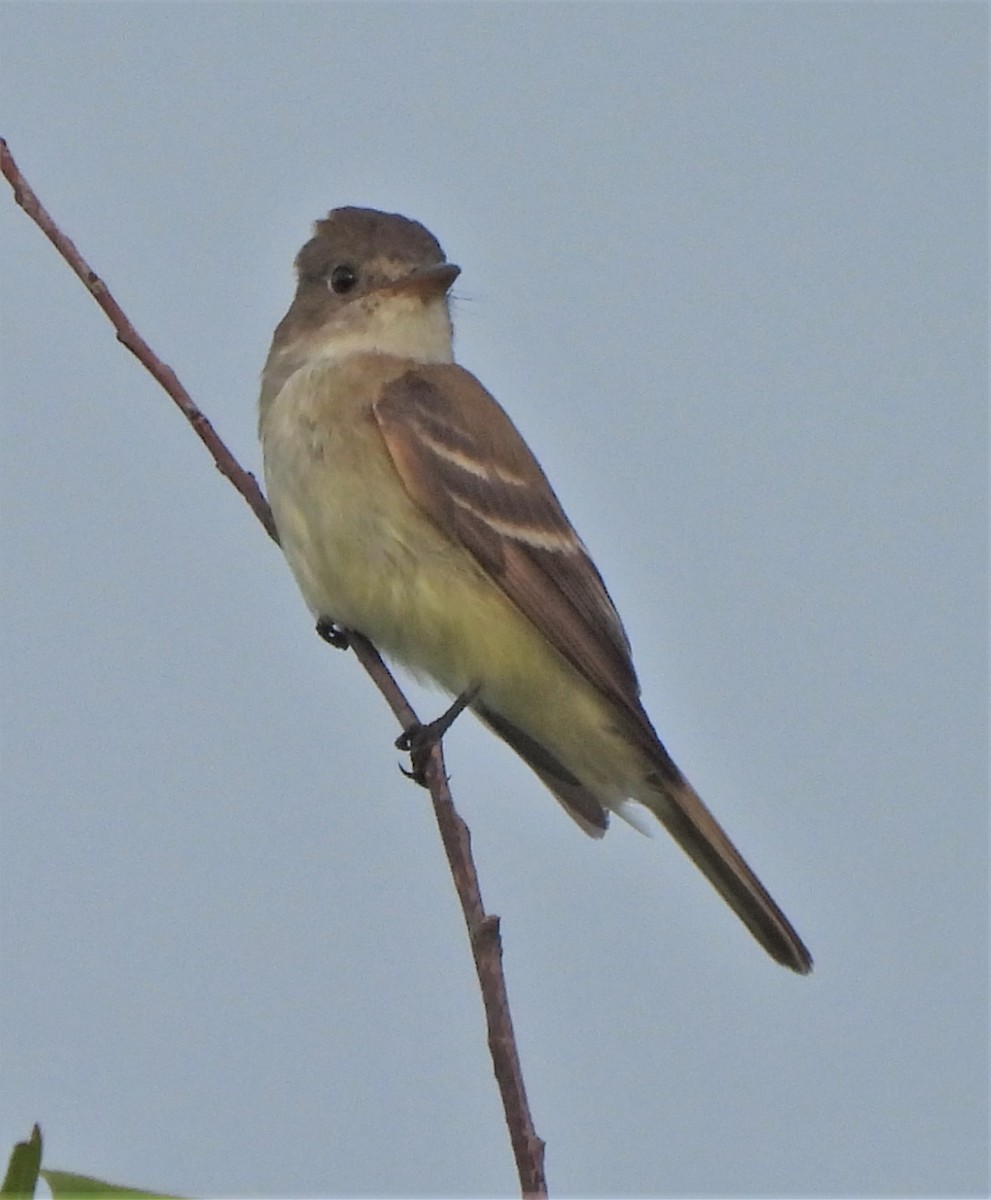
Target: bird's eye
[343, 279]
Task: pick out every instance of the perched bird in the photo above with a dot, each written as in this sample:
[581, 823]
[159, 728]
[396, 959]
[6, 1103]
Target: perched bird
[411, 511]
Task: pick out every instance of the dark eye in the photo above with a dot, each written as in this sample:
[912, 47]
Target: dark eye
[343, 279]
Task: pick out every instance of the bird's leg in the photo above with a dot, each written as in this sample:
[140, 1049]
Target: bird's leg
[419, 740]
[332, 634]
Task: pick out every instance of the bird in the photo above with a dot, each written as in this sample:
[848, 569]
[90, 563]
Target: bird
[411, 511]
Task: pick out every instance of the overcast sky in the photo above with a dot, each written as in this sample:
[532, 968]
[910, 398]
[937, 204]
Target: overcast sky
[725, 264]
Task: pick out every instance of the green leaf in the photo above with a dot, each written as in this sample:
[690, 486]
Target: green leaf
[22, 1170]
[65, 1185]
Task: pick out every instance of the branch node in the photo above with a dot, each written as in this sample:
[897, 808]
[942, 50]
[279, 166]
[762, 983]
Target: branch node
[486, 931]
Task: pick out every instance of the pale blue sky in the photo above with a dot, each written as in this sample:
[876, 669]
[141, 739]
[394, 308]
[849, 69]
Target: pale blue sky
[726, 266]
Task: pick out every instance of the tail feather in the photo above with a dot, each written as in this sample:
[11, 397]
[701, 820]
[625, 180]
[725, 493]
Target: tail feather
[578, 801]
[680, 810]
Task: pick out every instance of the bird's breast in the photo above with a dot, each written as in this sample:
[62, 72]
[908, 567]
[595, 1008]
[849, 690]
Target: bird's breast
[363, 554]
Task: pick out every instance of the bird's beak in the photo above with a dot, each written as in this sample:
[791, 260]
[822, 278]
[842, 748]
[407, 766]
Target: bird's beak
[425, 282]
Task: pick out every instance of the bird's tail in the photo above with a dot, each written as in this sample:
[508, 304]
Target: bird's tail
[677, 806]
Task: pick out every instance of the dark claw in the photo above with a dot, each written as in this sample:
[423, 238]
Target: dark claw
[419, 740]
[332, 634]
[417, 743]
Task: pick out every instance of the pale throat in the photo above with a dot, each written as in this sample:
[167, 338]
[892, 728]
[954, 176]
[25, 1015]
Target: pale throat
[400, 326]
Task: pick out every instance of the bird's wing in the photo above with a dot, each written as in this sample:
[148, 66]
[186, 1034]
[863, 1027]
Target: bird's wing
[465, 464]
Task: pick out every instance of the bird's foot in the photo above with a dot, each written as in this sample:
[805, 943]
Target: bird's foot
[332, 634]
[419, 740]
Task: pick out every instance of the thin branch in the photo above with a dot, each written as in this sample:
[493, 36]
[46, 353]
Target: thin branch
[483, 932]
[483, 928]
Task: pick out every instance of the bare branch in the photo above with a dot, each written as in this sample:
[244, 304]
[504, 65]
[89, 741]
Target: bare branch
[483, 928]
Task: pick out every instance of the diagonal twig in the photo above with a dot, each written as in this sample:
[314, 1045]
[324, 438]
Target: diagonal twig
[483, 928]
